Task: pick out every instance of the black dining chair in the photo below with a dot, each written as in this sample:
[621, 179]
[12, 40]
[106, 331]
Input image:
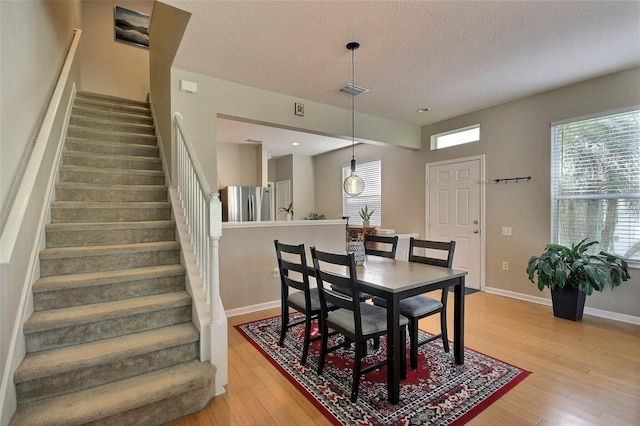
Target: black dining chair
[357, 321]
[421, 306]
[296, 293]
[372, 247]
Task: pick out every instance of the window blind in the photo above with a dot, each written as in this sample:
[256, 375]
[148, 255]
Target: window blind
[370, 172]
[595, 182]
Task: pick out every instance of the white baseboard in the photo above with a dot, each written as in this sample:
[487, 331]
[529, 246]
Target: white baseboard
[252, 308]
[544, 301]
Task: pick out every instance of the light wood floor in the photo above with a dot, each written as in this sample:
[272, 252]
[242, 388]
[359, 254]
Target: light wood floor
[583, 373]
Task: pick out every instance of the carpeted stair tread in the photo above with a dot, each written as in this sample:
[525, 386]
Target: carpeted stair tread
[69, 234]
[111, 226]
[87, 112]
[77, 211]
[81, 259]
[111, 125]
[110, 135]
[148, 163]
[106, 147]
[61, 291]
[111, 105]
[80, 191]
[104, 98]
[78, 173]
[94, 279]
[64, 317]
[57, 361]
[86, 251]
[101, 402]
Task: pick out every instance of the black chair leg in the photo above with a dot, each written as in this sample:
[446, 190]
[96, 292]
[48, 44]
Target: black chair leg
[413, 343]
[443, 329]
[323, 347]
[403, 352]
[284, 324]
[357, 368]
[307, 340]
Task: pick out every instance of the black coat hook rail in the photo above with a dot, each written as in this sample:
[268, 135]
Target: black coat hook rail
[516, 179]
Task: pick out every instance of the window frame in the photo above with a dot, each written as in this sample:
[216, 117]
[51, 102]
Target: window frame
[582, 192]
[371, 196]
[435, 145]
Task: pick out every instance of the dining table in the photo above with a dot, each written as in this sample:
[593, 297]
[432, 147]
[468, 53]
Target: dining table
[394, 280]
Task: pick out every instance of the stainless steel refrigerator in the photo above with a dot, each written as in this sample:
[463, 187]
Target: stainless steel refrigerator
[245, 204]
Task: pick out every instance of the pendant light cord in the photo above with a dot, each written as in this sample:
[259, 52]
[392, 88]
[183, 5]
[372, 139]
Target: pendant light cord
[353, 106]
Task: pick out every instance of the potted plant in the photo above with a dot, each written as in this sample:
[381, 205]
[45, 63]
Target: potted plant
[366, 214]
[288, 211]
[315, 216]
[572, 274]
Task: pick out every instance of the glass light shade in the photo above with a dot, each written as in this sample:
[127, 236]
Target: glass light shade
[353, 185]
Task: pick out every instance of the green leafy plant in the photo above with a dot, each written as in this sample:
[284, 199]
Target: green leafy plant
[315, 216]
[560, 266]
[288, 209]
[365, 214]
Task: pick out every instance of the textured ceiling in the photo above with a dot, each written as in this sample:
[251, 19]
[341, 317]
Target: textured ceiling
[451, 56]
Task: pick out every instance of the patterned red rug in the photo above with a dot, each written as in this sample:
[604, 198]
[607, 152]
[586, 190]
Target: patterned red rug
[439, 392]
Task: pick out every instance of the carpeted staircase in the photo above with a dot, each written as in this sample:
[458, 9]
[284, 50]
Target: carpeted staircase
[111, 340]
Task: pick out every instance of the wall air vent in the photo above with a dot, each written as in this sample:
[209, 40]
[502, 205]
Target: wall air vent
[352, 89]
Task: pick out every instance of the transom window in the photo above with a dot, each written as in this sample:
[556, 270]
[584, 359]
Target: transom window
[371, 197]
[595, 179]
[456, 137]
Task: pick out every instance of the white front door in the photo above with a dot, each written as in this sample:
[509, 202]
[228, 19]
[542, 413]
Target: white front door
[454, 212]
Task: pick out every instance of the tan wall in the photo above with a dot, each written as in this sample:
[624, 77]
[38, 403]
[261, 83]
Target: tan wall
[515, 138]
[237, 165]
[248, 258]
[303, 188]
[109, 66]
[165, 33]
[35, 38]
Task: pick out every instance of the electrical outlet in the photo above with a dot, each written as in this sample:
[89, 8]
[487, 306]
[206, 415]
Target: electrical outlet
[506, 230]
[505, 265]
[276, 272]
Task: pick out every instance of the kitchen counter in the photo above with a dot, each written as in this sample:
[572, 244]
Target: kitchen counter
[265, 224]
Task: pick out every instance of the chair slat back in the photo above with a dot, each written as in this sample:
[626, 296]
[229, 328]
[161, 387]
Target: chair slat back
[292, 258]
[348, 298]
[391, 245]
[447, 249]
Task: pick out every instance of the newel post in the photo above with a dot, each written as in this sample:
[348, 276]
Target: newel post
[215, 232]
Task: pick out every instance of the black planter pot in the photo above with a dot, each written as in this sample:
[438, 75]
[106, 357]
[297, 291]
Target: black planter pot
[568, 303]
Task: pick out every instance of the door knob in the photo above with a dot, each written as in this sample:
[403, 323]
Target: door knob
[475, 222]
[475, 231]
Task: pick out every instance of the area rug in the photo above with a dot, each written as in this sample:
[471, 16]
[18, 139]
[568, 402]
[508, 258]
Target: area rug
[439, 392]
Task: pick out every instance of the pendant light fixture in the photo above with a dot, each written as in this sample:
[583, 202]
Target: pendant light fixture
[353, 184]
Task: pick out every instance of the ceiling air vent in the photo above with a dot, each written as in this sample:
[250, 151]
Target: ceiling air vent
[352, 89]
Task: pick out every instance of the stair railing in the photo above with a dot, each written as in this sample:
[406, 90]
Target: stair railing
[202, 211]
